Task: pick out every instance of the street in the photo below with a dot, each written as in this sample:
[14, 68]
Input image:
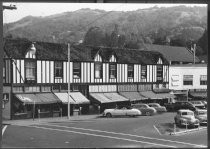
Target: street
[102, 132]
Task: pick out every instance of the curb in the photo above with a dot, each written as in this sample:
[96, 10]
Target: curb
[186, 131]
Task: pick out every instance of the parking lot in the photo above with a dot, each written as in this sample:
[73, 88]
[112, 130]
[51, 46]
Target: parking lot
[102, 132]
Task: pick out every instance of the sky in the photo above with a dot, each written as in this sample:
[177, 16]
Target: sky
[46, 9]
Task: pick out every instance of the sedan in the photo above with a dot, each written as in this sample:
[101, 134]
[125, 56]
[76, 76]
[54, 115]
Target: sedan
[145, 109]
[198, 104]
[121, 112]
[201, 115]
[186, 117]
[158, 107]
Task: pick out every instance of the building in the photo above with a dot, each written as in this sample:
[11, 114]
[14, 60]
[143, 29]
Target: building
[174, 54]
[36, 74]
[188, 81]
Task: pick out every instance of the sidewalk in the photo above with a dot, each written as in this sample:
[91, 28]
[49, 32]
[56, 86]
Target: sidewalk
[49, 120]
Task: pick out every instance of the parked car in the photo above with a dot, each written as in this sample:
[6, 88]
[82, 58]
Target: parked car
[186, 117]
[145, 109]
[204, 102]
[201, 115]
[158, 107]
[121, 112]
[180, 105]
[198, 104]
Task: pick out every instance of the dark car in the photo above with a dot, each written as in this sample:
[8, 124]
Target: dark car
[180, 105]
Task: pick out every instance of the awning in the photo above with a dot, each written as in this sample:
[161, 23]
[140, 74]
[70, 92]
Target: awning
[100, 97]
[132, 96]
[64, 98]
[28, 98]
[198, 94]
[38, 98]
[115, 97]
[79, 98]
[152, 95]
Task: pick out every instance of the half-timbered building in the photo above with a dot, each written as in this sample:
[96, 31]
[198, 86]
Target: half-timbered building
[36, 73]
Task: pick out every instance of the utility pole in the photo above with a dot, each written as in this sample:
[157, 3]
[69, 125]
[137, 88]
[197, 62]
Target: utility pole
[194, 49]
[11, 7]
[69, 81]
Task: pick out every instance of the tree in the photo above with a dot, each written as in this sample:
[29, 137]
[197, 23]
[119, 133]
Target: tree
[203, 42]
[94, 37]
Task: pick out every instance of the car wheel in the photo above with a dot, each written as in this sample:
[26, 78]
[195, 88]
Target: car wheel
[147, 113]
[108, 115]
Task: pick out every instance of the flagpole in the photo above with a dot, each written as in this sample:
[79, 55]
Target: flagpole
[69, 81]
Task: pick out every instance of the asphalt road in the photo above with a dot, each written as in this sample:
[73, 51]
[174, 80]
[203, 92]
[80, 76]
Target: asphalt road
[101, 132]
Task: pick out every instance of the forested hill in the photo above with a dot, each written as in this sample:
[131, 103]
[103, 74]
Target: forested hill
[147, 25]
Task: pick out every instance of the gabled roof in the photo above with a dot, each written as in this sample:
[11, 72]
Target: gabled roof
[172, 53]
[16, 48]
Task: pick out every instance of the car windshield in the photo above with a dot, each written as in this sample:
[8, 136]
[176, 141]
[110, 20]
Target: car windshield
[187, 113]
[154, 105]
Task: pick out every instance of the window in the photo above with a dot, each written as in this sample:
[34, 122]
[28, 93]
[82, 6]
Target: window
[143, 71]
[98, 70]
[30, 70]
[76, 70]
[113, 71]
[203, 80]
[188, 80]
[32, 89]
[58, 69]
[130, 71]
[4, 72]
[159, 73]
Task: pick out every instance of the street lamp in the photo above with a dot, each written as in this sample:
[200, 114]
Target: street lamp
[69, 81]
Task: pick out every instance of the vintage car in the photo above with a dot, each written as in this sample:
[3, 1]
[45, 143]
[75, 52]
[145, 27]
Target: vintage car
[186, 117]
[158, 107]
[198, 104]
[145, 109]
[121, 112]
[201, 115]
[205, 103]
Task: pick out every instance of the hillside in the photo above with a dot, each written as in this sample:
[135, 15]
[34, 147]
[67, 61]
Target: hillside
[177, 22]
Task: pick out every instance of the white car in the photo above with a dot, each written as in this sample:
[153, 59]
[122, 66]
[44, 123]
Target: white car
[158, 107]
[201, 115]
[198, 104]
[186, 117]
[121, 112]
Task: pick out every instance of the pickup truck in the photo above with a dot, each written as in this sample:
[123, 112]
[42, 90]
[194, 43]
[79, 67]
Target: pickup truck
[180, 105]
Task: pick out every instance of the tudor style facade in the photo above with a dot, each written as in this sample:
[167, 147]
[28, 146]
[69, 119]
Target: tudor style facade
[39, 68]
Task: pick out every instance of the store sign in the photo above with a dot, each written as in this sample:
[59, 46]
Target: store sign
[5, 99]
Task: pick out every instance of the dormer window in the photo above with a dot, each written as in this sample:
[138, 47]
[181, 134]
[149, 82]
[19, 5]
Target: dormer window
[31, 52]
[58, 69]
[160, 61]
[130, 71]
[30, 71]
[98, 70]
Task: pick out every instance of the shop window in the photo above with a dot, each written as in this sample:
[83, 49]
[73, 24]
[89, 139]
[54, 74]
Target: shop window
[203, 80]
[58, 69]
[32, 89]
[113, 71]
[30, 71]
[130, 71]
[188, 80]
[18, 89]
[98, 70]
[159, 73]
[76, 70]
[143, 72]
[75, 88]
[46, 88]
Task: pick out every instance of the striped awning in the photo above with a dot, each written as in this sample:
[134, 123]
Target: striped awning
[38, 98]
[79, 98]
[64, 98]
[115, 97]
[75, 98]
[152, 95]
[198, 94]
[100, 97]
[132, 96]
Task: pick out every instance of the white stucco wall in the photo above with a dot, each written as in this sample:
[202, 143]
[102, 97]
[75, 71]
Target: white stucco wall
[176, 83]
